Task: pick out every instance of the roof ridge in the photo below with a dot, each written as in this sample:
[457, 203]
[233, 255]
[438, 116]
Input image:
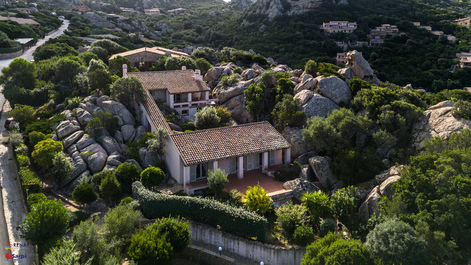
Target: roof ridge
[224, 128]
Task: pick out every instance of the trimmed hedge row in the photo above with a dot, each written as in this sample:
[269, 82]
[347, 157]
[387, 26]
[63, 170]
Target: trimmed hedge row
[233, 220]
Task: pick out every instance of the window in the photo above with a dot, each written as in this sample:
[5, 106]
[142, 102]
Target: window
[181, 97]
[271, 158]
[233, 165]
[185, 112]
[198, 172]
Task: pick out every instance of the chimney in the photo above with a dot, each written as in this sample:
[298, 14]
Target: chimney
[183, 68]
[125, 70]
[198, 76]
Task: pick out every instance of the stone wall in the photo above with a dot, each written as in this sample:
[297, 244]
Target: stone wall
[4, 56]
[269, 254]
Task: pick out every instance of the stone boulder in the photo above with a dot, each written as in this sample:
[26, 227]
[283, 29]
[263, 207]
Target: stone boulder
[385, 189]
[141, 130]
[92, 108]
[228, 68]
[347, 73]
[360, 67]
[172, 126]
[128, 132]
[239, 112]
[299, 187]
[370, 205]
[66, 128]
[83, 117]
[118, 136]
[115, 159]
[336, 90]
[227, 93]
[147, 158]
[69, 189]
[320, 166]
[315, 104]
[71, 139]
[125, 115]
[213, 74]
[437, 121]
[282, 68]
[381, 177]
[80, 167]
[101, 99]
[109, 144]
[95, 156]
[307, 83]
[297, 73]
[98, 206]
[248, 74]
[306, 173]
[295, 137]
[85, 141]
[304, 158]
[135, 163]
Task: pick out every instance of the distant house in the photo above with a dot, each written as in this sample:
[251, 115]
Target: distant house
[339, 26]
[26, 43]
[145, 57]
[451, 38]
[152, 12]
[177, 11]
[379, 34]
[463, 21]
[183, 90]
[127, 10]
[116, 17]
[18, 20]
[26, 10]
[465, 59]
[341, 57]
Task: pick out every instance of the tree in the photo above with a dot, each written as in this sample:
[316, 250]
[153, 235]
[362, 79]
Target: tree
[152, 176]
[257, 200]
[462, 109]
[84, 193]
[96, 64]
[311, 68]
[45, 224]
[110, 46]
[284, 86]
[203, 65]
[110, 188]
[176, 231]
[101, 53]
[20, 73]
[23, 114]
[207, 118]
[86, 57]
[157, 143]
[116, 65]
[395, 242]
[45, 151]
[254, 96]
[65, 254]
[217, 181]
[35, 198]
[126, 173]
[66, 70]
[89, 239]
[344, 208]
[291, 216]
[147, 247]
[224, 114]
[333, 249]
[288, 112]
[303, 235]
[176, 63]
[318, 205]
[121, 222]
[62, 167]
[35, 137]
[128, 90]
[101, 80]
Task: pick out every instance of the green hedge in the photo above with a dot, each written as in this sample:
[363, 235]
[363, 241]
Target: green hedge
[30, 180]
[10, 50]
[233, 220]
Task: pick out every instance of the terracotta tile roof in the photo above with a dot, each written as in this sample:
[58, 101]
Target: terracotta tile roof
[178, 81]
[226, 142]
[156, 116]
[156, 50]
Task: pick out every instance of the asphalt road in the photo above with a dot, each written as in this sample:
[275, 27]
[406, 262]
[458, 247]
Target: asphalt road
[28, 55]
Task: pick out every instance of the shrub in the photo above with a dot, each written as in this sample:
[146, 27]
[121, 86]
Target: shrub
[230, 80]
[291, 216]
[318, 205]
[461, 109]
[203, 65]
[36, 137]
[189, 125]
[45, 151]
[16, 138]
[223, 113]
[128, 90]
[43, 126]
[311, 68]
[45, 224]
[176, 232]
[257, 200]
[328, 69]
[288, 173]
[35, 198]
[62, 167]
[344, 208]
[94, 127]
[207, 118]
[30, 180]
[84, 193]
[235, 198]
[233, 220]
[254, 96]
[23, 161]
[110, 188]
[288, 112]
[303, 235]
[148, 248]
[121, 222]
[98, 177]
[156, 144]
[77, 217]
[126, 173]
[21, 149]
[23, 114]
[89, 239]
[152, 176]
[65, 254]
[126, 201]
[326, 226]
[217, 181]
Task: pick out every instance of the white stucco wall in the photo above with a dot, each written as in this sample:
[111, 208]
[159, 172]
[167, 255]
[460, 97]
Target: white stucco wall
[145, 119]
[159, 94]
[278, 157]
[173, 161]
[225, 165]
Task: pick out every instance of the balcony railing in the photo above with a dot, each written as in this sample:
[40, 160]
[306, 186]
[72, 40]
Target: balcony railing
[195, 103]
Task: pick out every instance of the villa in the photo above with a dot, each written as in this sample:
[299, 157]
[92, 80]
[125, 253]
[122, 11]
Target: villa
[145, 57]
[379, 34]
[339, 26]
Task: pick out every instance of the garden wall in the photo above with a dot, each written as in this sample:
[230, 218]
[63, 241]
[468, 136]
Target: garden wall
[269, 254]
[4, 56]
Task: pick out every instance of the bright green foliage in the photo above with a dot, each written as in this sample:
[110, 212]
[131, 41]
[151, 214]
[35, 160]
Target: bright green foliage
[65, 254]
[284, 87]
[110, 46]
[217, 181]
[43, 126]
[203, 65]
[333, 249]
[23, 114]
[30, 182]
[126, 173]
[100, 80]
[94, 127]
[84, 193]
[303, 235]
[233, 220]
[328, 69]
[257, 200]
[126, 201]
[89, 239]
[152, 176]
[310, 68]
[356, 84]
[45, 151]
[148, 248]
[288, 112]
[98, 177]
[45, 224]
[318, 205]
[395, 242]
[230, 80]
[67, 69]
[19, 72]
[176, 232]
[121, 222]
[23, 160]
[110, 188]
[62, 167]
[51, 50]
[291, 216]
[86, 57]
[442, 251]
[96, 64]
[254, 96]
[224, 114]
[116, 65]
[207, 118]
[36, 198]
[327, 225]
[128, 90]
[344, 208]
[462, 109]
[176, 63]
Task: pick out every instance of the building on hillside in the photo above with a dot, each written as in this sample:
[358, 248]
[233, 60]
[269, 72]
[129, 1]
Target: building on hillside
[127, 10]
[152, 12]
[437, 32]
[176, 11]
[26, 10]
[183, 90]
[465, 59]
[339, 26]
[26, 43]
[379, 34]
[25, 21]
[428, 28]
[341, 57]
[451, 38]
[116, 17]
[343, 45]
[463, 21]
[145, 57]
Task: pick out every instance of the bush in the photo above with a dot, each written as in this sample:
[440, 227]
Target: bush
[217, 181]
[288, 113]
[343, 207]
[328, 69]
[77, 217]
[126, 201]
[84, 193]
[149, 248]
[318, 205]
[121, 222]
[152, 176]
[203, 65]
[89, 239]
[327, 225]
[257, 200]
[62, 167]
[23, 161]
[16, 138]
[65, 254]
[35, 198]
[207, 118]
[23, 114]
[156, 144]
[291, 216]
[21, 149]
[224, 114]
[43, 126]
[45, 151]
[126, 173]
[311, 68]
[461, 109]
[303, 235]
[233, 220]
[29, 180]
[110, 188]
[98, 177]
[36, 137]
[291, 172]
[176, 232]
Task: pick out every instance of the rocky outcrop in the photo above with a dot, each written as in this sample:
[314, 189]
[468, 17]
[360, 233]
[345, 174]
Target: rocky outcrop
[437, 121]
[70, 140]
[213, 74]
[307, 83]
[66, 128]
[360, 68]
[239, 112]
[109, 144]
[320, 166]
[299, 187]
[336, 90]
[226, 93]
[128, 132]
[95, 156]
[274, 8]
[147, 158]
[315, 104]
[249, 74]
[295, 137]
